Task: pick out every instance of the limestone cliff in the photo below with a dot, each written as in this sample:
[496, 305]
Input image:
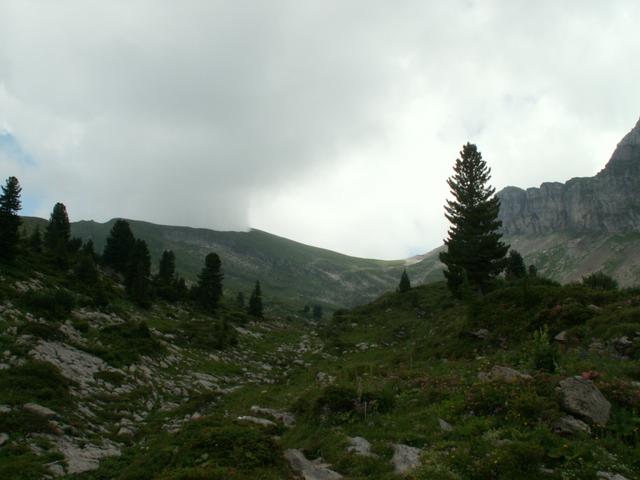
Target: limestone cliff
[606, 203]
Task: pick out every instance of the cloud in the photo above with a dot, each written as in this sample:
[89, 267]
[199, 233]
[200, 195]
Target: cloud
[333, 123]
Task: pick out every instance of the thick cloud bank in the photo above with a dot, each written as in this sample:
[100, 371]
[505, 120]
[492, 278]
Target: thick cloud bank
[333, 123]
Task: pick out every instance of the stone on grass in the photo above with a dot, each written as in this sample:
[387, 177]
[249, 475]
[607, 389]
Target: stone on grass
[4, 438]
[39, 410]
[503, 374]
[310, 470]
[360, 446]
[286, 418]
[582, 398]
[405, 458]
[610, 476]
[445, 426]
[569, 425]
[263, 422]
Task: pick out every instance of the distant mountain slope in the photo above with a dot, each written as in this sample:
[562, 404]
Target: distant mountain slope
[290, 272]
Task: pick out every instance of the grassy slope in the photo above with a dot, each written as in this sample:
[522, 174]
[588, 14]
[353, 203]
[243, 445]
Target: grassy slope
[289, 271]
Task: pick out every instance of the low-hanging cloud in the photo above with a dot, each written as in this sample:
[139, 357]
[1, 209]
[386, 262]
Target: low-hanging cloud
[334, 123]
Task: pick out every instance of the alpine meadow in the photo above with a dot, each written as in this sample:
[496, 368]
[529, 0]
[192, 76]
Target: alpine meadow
[151, 326]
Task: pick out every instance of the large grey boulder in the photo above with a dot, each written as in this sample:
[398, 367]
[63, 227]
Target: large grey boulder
[360, 446]
[4, 438]
[582, 398]
[405, 458]
[310, 470]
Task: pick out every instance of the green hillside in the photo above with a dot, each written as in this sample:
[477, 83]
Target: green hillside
[291, 273]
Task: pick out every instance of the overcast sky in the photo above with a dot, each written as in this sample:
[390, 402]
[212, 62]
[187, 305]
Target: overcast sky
[334, 123]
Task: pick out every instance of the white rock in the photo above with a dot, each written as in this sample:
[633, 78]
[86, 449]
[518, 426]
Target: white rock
[445, 426]
[81, 459]
[316, 470]
[39, 410]
[286, 418]
[74, 364]
[360, 446]
[258, 421]
[610, 476]
[405, 458]
[4, 438]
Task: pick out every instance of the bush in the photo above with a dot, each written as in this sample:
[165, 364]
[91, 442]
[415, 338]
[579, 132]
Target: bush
[51, 304]
[544, 354]
[35, 381]
[600, 281]
[41, 330]
[126, 343]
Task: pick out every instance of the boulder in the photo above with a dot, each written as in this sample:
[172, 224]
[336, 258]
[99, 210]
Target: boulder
[286, 418]
[445, 426]
[316, 470]
[4, 438]
[582, 398]
[503, 374]
[610, 476]
[569, 425]
[360, 446]
[405, 458]
[39, 410]
[263, 422]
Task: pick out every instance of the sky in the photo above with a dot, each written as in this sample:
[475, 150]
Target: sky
[333, 123]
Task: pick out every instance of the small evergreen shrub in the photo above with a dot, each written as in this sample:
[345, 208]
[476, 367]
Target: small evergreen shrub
[53, 304]
[543, 353]
[600, 281]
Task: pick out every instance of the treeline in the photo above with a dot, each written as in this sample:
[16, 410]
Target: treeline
[125, 259]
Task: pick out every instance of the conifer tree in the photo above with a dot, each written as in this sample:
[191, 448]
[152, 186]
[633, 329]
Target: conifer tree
[137, 281]
[405, 283]
[515, 267]
[255, 302]
[209, 289]
[475, 251]
[167, 268]
[35, 240]
[57, 234]
[119, 247]
[10, 205]
[240, 300]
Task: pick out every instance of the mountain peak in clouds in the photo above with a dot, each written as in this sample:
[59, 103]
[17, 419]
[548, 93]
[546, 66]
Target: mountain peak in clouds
[626, 157]
[605, 203]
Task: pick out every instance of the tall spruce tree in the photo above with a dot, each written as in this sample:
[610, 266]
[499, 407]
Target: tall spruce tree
[514, 266]
[10, 205]
[405, 283]
[255, 302]
[119, 247]
[57, 234]
[475, 252]
[209, 289]
[167, 268]
[137, 276]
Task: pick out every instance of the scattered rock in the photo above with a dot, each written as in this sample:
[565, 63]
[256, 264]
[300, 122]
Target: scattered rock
[623, 345]
[56, 469]
[85, 458]
[360, 446]
[4, 438]
[5, 409]
[569, 425]
[405, 458]
[445, 426]
[480, 334]
[503, 374]
[74, 364]
[258, 421]
[324, 378]
[582, 398]
[561, 337]
[316, 470]
[610, 476]
[39, 410]
[286, 418]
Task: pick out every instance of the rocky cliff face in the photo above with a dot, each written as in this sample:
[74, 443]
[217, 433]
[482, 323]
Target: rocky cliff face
[606, 203]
